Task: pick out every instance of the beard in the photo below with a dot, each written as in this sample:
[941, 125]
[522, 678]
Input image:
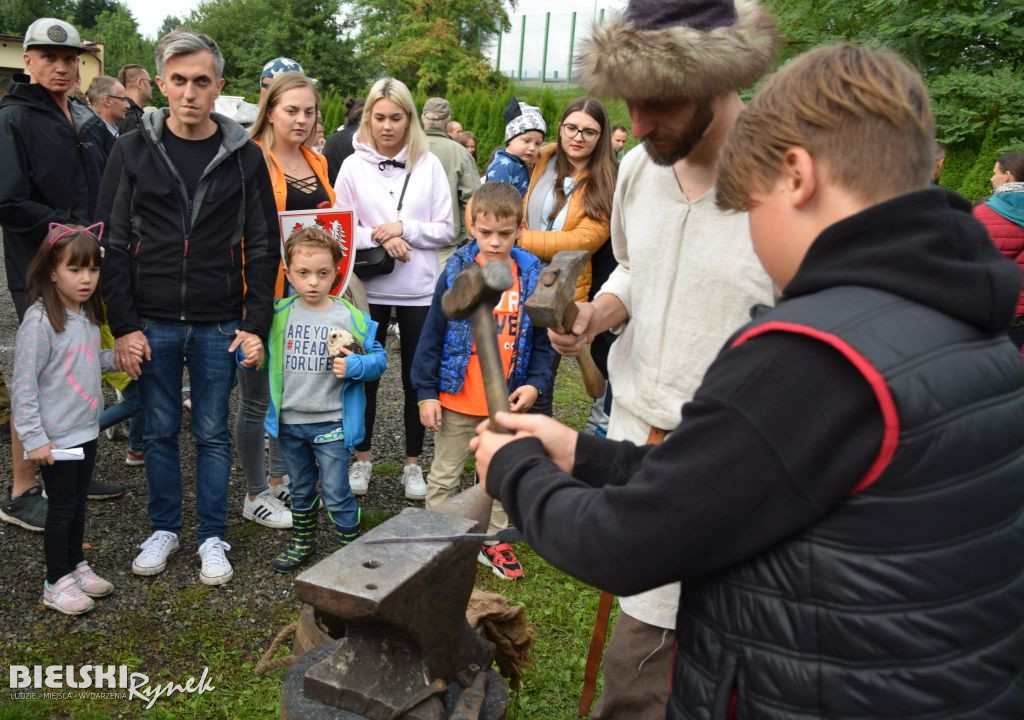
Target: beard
[669, 150]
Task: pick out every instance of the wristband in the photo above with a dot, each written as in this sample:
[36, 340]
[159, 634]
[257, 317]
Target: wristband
[428, 400]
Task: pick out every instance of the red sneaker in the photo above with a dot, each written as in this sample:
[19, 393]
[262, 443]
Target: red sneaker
[135, 458]
[501, 558]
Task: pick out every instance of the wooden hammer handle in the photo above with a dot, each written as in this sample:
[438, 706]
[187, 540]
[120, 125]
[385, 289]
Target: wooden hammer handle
[593, 380]
[495, 384]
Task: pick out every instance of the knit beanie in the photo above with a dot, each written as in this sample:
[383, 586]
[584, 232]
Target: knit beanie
[520, 117]
[678, 49]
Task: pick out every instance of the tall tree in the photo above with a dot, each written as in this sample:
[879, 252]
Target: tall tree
[250, 32]
[170, 22]
[937, 35]
[122, 42]
[87, 12]
[434, 47]
[17, 15]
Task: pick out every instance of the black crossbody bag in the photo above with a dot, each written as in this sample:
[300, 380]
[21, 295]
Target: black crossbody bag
[375, 261]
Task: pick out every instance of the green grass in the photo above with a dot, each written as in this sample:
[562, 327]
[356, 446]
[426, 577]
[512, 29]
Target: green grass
[225, 638]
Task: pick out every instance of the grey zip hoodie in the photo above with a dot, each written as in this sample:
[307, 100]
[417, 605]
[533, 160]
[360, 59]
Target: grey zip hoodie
[57, 392]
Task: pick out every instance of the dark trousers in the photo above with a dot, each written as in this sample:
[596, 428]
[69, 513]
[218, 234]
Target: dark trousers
[410, 325]
[66, 483]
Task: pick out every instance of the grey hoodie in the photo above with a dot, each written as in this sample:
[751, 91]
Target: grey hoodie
[57, 392]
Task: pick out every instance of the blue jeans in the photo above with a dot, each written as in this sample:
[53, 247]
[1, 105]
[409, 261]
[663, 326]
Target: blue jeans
[302, 453]
[203, 347]
[130, 409]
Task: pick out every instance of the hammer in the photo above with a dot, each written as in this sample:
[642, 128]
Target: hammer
[474, 294]
[551, 306]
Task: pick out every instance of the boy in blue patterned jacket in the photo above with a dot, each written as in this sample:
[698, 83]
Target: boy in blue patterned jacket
[446, 371]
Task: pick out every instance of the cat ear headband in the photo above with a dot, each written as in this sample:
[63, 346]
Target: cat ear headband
[96, 230]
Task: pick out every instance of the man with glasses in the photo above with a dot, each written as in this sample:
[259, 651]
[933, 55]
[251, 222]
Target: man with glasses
[107, 98]
[138, 88]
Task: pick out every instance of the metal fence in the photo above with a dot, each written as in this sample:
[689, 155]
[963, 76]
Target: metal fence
[539, 48]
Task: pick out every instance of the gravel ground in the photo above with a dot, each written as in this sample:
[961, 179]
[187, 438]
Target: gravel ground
[114, 528]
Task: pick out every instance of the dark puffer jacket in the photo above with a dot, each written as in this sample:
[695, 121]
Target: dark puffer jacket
[50, 172]
[905, 601]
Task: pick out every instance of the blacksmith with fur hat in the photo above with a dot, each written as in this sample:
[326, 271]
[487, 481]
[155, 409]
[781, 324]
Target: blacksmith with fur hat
[687, 274]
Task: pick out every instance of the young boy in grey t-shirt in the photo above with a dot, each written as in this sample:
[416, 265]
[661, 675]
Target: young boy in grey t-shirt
[316, 398]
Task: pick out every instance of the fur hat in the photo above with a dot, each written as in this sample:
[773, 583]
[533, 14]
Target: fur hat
[520, 117]
[678, 49]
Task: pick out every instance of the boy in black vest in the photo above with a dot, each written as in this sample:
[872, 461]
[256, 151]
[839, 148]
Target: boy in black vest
[842, 501]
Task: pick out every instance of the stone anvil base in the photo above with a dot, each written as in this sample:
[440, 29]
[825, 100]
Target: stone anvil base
[296, 706]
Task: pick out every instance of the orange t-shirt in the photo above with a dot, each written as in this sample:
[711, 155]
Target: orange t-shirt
[472, 399]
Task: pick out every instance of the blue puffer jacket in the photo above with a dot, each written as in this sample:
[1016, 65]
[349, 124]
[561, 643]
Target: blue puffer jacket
[445, 345]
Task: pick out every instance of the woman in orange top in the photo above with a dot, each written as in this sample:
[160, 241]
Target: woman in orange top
[569, 203]
[284, 130]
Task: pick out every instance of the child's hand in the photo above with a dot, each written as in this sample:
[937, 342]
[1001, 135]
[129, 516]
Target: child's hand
[252, 347]
[42, 455]
[523, 398]
[338, 366]
[430, 415]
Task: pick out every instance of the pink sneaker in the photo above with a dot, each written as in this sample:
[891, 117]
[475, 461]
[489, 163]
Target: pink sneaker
[92, 584]
[65, 596]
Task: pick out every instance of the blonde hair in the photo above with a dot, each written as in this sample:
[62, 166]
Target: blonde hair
[864, 113]
[262, 131]
[395, 91]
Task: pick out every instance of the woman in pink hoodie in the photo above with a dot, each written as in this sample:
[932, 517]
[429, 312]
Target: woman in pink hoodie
[402, 202]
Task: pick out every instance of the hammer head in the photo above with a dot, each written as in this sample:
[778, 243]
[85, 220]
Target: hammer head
[555, 289]
[476, 286]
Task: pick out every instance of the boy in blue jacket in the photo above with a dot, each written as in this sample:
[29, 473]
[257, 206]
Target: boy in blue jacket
[446, 371]
[316, 401]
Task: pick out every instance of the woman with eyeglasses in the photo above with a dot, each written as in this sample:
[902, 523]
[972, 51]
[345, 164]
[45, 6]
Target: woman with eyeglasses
[569, 202]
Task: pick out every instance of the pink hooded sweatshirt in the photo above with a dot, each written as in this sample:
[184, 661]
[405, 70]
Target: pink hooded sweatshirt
[373, 190]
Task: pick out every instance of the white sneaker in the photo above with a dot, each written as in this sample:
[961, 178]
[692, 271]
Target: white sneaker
[216, 568]
[267, 510]
[155, 551]
[412, 479]
[283, 491]
[359, 476]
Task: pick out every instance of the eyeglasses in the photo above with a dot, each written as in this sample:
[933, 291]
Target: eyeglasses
[571, 131]
[122, 98]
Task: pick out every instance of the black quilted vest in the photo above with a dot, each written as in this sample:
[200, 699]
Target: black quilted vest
[907, 601]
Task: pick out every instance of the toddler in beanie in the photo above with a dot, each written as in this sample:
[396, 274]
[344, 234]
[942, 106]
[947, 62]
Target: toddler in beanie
[524, 134]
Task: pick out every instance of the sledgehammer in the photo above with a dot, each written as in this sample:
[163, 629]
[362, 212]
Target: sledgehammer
[474, 294]
[551, 306]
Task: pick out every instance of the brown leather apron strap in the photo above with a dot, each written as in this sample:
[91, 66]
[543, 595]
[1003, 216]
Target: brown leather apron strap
[604, 611]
